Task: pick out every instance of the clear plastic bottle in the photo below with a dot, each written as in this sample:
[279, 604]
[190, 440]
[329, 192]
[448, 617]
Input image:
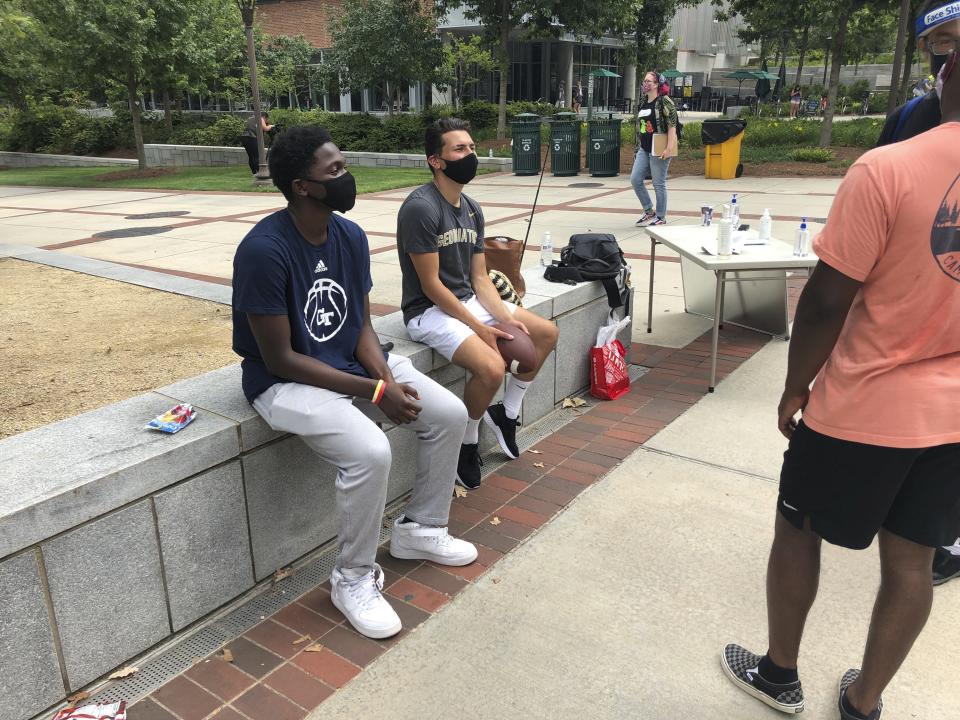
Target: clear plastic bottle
[546, 250]
[734, 213]
[766, 226]
[801, 247]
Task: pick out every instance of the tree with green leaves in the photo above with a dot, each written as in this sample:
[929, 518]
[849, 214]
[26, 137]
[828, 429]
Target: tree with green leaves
[464, 60]
[385, 44]
[22, 69]
[106, 41]
[283, 62]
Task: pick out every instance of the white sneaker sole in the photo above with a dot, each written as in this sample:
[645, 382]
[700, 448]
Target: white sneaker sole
[496, 431]
[410, 554]
[761, 696]
[373, 633]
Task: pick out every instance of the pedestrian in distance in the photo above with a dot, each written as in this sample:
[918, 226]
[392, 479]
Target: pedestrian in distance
[656, 131]
[249, 139]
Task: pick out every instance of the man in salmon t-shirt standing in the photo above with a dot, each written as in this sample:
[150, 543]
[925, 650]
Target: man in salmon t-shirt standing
[878, 449]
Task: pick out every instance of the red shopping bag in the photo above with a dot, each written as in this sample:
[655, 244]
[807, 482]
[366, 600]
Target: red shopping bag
[609, 378]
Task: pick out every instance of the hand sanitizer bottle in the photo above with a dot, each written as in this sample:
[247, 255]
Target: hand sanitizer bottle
[766, 226]
[546, 250]
[734, 213]
[802, 245]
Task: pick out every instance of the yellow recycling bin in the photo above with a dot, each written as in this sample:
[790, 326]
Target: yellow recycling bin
[721, 147]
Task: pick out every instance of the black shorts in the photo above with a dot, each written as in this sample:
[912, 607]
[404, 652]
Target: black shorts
[850, 490]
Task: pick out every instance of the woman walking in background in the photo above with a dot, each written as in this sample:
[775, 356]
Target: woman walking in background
[795, 97]
[656, 132]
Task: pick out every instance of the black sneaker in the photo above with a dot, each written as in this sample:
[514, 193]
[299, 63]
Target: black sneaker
[504, 428]
[946, 566]
[468, 466]
[846, 680]
[742, 667]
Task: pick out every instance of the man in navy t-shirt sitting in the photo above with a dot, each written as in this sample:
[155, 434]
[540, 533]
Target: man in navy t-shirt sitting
[313, 366]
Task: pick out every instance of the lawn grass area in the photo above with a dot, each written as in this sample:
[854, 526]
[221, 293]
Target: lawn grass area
[224, 179]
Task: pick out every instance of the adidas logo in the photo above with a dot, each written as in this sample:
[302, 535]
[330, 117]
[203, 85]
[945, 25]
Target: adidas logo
[321, 267]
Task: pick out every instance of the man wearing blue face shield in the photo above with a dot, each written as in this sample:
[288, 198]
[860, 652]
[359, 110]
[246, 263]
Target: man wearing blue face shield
[938, 34]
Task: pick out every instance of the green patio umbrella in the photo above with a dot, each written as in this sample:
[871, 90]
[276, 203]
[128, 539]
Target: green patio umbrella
[672, 74]
[741, 75]
[762, 88]
[603, 72]
[599, 72]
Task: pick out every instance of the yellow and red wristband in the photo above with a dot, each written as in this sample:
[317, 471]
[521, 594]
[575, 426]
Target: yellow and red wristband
[378, 392]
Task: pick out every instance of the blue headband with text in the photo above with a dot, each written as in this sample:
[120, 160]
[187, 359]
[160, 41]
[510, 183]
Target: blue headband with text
[946, 13]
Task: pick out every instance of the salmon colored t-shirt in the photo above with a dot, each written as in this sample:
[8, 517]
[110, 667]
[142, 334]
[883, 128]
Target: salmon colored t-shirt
[893, 378]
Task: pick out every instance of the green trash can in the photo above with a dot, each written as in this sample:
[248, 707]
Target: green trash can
[525, 134]
[565, 144]
[603, 147]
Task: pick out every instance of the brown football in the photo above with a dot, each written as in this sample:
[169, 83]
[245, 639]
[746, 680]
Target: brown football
[519, 354]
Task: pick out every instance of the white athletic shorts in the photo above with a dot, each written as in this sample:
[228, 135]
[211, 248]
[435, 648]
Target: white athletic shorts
[445, 334]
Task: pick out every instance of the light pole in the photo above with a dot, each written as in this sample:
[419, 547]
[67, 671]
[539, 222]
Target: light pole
[247, 9]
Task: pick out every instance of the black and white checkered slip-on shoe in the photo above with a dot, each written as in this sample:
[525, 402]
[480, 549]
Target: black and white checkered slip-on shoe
[846, 680]
[741, 666]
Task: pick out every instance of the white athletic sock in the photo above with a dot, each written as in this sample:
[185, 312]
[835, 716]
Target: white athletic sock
[472, 434]
[513, 397]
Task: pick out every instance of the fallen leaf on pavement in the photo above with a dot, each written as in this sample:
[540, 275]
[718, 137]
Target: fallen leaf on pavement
[301, 639]
[314, 648]
[496, 581]
[124, 672]
[535, 452]
[78, 697]
[495, 521]
[539, 465]
[281, 574]
[226, 655]
[459, 491]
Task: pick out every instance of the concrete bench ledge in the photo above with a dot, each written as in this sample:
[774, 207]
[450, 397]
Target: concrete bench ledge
[112, 531]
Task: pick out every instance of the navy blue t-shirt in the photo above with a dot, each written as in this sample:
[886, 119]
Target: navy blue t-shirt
[321, 289]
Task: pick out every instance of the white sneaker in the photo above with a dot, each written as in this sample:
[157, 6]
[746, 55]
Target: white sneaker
[362, 604]
[411, 541]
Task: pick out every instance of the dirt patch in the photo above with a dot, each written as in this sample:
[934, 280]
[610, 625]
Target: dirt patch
[70, 343]
[135, 174]
[682, 166]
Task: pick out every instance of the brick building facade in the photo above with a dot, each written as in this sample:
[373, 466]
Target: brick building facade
[310, 18]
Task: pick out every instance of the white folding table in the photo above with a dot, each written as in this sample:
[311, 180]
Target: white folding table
[759, 271]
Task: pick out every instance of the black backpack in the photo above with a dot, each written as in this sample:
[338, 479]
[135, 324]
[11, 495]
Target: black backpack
[595, 256]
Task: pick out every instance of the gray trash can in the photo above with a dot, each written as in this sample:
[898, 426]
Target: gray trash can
[565, 144]
[603, 147]
[525, 132]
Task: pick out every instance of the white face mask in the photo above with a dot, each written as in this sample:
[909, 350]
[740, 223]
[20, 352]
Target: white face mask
[939, 85]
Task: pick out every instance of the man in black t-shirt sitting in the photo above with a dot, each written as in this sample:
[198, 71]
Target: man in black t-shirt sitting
[449, 302]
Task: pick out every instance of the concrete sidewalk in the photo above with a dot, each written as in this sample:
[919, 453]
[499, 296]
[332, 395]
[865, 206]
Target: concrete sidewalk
[620, 606]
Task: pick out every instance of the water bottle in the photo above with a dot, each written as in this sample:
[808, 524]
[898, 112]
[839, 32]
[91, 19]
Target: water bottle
[802, 245]
[546, 250]
[734, 213]
[766, 226]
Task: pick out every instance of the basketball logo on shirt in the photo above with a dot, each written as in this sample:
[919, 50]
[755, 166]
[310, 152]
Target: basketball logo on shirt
[945, 236]
[326, 309]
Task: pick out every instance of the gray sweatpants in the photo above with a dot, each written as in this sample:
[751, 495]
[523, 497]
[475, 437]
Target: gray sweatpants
[342, 431]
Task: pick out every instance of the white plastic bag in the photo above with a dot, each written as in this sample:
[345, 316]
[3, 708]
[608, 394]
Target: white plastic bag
[608, 333]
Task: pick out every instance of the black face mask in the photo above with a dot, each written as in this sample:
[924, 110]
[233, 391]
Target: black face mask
[463, 170]
[341, 192]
